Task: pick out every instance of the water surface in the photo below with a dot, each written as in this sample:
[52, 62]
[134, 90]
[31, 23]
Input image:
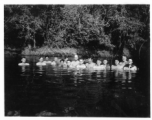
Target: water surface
[56, 91]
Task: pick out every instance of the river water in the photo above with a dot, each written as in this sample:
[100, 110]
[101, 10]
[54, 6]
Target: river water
[56, 91]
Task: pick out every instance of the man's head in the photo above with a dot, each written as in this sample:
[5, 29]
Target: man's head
[89, 60]
[124, 58]
[23, 60]
[46, 58]
[116, 62]
[130, 61]
[75, 57]
[105, 62]
[99, 62]
[61, 61]
[41, 59]
[80, 61]
[68, 62]
[55, 58]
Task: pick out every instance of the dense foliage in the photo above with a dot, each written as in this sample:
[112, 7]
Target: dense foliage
[94, 27]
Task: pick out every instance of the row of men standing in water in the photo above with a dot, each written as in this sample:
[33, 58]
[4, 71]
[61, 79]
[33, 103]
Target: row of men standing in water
[84, 64]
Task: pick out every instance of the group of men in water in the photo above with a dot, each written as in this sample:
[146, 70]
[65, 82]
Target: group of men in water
[84, 64]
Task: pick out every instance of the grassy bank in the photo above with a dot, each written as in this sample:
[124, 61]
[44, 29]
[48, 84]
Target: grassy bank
[46, 51]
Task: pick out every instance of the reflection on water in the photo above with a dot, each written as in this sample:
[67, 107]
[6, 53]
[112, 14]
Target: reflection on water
[56, 91]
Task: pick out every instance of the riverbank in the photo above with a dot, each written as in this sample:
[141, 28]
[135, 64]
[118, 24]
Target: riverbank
[46, 51]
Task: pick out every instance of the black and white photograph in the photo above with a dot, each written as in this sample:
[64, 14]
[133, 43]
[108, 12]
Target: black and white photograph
[77, 60]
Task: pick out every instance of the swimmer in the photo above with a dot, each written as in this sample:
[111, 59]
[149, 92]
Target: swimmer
[68, 63]
[55, 62]
[90, 64]
[130, 66]
[41, 62]
[98, 66]
[62, 63]
[47, 60]
[23, 62]
[124, 61]
[75, 62]
[105, 64]
[81, 65]
[98, 63]
[116, 66]
[65, 64]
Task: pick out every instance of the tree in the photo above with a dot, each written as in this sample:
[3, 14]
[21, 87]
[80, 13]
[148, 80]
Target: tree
[110, 27]
[21, 18]
[84, 26]
[129, 27]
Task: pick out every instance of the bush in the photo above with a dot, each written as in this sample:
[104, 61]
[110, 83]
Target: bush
[104, 53]
[50, 51]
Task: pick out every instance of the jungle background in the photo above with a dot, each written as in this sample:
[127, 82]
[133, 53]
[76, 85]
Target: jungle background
[88, 30]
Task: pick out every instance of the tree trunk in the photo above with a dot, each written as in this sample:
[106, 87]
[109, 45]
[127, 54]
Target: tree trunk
[122, 45]
[47, 30]
[121, 49]
[140, 48]
[34, 41]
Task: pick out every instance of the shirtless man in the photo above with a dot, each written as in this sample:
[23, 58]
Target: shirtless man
[117, 66]
[75, 62]
[98, 66]
[23, 63]
[105, 64]
[124, 61]
[90, 64]
[41, 62]
[55, 62]
[47, 60]
[81, 65]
